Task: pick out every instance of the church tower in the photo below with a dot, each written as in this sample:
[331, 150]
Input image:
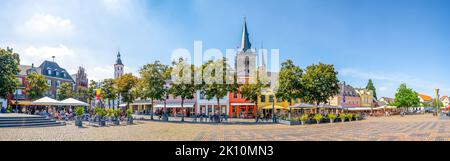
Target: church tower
[246, 57]
[118, 67]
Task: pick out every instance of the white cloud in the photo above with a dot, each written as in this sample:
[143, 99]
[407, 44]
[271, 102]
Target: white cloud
[46, 24]
[46, 52]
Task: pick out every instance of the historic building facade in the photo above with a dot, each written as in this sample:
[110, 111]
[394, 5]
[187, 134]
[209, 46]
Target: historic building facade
[118, 67]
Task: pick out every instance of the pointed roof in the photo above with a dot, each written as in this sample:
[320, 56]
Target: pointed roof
[245, 43]
[262, 63]
[118, 61]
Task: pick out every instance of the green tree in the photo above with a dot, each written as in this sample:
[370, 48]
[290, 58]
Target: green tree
[320, 83]
[90, 93]
[217, 80]
[371, 87]
[154, 79]
[37, 86]
[435, 103]
[9, 67]
[406, 97]
[81, 93]
[183, 84]
[65, 91]
[109, 91]
[125, 85]
[290, 85]
[252, 90]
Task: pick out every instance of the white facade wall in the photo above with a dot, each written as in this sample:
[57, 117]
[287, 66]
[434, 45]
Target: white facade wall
[211, 103]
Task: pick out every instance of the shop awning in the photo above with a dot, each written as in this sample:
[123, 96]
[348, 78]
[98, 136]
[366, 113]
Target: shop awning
[73, 102]
[242, 104]
[302, 105]
[46, 101]
[276, 107]
[175, 105]
[22, 103]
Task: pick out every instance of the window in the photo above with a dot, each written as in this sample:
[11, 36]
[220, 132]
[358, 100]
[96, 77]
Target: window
[56, 73]
[235, 95]
[295, 101]
[271, 98]
[19, 92]
[58, 83]
[49, 71]
[263, 98]
[202, 95]
[20, 81]
[49, 82]
[279, 100]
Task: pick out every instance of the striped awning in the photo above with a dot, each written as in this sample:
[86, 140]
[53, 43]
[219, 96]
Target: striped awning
[175, 105]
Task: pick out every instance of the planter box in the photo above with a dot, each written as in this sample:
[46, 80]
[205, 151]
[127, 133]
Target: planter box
[130, 121]
[79, 123]
[290, 122]
[102, 123]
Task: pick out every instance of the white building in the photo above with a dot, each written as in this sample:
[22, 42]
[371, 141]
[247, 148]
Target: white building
[209, 107]
[446, 101]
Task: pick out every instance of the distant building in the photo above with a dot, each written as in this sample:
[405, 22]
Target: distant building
[81, 80]
[118, 67]
[385, 101]
[366, 97]
[446, 101]
[54, 74]
[424, 99]
[352, 98]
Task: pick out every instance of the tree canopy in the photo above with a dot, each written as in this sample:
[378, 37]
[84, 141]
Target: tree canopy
[406, 97]
[371, 87]
[320, 83]
[37, 86]
[9, 67]
[125, 84]
[65, 91]
[289, 82]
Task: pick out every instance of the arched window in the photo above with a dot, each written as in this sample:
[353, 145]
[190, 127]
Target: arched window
[247, 64]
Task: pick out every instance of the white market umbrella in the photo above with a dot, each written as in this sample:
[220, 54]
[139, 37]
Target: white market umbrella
[73, 102]
[46, 101]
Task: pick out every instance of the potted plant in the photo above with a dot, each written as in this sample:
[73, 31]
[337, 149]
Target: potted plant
[318, 117]
[332, 116]
[130, 116]
[101, 113]
[350, 117]
[303, 118]
[116, 114]
[79, 111]
[342, 116]
[357, 116]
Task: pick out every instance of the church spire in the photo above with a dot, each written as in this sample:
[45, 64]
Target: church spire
[118, 61]
[245, 43]
[262, 62]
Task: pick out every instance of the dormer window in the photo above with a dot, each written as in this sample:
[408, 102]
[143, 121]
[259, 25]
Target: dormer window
[49, 71]
[56, 73]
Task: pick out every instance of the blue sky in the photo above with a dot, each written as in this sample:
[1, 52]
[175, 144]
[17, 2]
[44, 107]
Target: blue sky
[390, 41]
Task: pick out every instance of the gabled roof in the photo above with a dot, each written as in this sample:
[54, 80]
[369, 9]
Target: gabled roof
[425, 97]
[444, 97]
[118, 61]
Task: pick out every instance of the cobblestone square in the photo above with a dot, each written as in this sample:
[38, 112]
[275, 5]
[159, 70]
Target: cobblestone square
[395, 128]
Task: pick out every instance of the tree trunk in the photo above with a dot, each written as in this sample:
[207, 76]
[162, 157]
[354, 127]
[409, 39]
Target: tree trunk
[151, 109]
[218, 105]
[257, 111]
[109, 103]
[165, 110]
[182, 110]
